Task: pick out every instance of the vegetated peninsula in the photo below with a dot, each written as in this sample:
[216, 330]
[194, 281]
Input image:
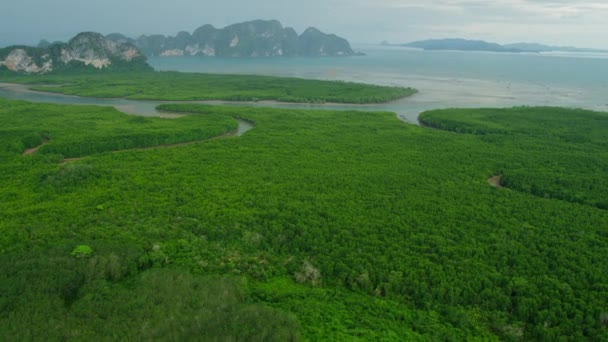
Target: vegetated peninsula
[176, 86]
[258, 38]
[87, 51]
[459, 44]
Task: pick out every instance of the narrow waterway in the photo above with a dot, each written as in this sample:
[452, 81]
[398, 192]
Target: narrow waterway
[132, 107]
[148, 108]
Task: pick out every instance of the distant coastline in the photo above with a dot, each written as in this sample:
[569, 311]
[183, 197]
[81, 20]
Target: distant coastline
[459, 44]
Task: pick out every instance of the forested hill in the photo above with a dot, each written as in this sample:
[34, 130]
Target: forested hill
[258, 38]
[87, 51]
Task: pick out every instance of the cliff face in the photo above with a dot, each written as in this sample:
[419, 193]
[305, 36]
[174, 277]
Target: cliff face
[257, 38]
[86, 50]
[94, 49]
[25, 59]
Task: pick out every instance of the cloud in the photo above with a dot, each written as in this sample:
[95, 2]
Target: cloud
[542, 8]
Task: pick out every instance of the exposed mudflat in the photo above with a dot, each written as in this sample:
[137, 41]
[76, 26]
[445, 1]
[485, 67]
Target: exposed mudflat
[33, 150]
[495, 181]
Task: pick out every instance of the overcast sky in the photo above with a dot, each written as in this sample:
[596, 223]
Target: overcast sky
[581, 23]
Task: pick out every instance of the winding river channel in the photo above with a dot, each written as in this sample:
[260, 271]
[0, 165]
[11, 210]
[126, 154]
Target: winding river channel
[406, 109]
[132, 107]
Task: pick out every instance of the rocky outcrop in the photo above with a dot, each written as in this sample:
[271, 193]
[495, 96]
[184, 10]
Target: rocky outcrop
[259, 38]
[316, 43]
[86, 50]
[19, 59]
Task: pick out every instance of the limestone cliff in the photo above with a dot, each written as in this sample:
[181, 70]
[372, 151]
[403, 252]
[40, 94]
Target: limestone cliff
[87, 50]
[258, 38]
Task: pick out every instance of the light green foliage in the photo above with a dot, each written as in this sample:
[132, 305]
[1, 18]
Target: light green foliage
[408, 238]
[337, 314]
[189, 86]
[82, 251]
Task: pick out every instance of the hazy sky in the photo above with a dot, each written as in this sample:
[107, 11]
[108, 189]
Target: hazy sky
[581, 23]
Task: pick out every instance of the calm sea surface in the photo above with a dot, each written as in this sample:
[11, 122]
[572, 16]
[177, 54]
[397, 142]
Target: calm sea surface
[445, 78]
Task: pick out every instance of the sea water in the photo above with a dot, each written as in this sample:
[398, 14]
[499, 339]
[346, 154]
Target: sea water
[444, 79]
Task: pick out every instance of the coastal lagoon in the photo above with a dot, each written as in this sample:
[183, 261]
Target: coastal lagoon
[445, 79]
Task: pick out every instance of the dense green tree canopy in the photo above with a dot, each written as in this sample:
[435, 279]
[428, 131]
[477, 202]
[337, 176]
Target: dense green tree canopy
[190, 87]
[315, 224]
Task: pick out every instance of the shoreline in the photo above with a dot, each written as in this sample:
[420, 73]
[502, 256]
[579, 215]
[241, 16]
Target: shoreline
[27, 88]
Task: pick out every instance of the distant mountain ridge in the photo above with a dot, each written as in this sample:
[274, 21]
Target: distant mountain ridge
[258, 38]
[459, 44]
[87, 50]
[536, 47]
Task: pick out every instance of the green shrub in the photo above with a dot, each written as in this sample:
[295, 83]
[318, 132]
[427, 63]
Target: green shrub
[82, 251]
